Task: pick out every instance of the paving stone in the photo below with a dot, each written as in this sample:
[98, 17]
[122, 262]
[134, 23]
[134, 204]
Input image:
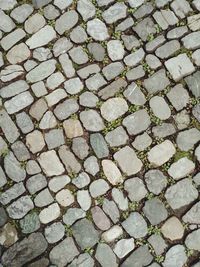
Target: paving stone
[181, 10]
[123, 247]
[137, 122]
[72, 215]
[18, 53]
[42, 71]
[157, 158]
[8, 235]
[35, 141]
[181, 168]
[81, 180]
[156, 181]
[144, 28]
[50, 163]
[192, 240]
[172, 229]
[64, 252]
[91, 120]
[85, 234]
[97, 30]
[192, 82]
[175, 256]
[84, 259]
[135, 188]
[78, 35]
[111, 171]
[73, 86]
[183, 66]
[115, 50]
[178, 96]
[112, 70]
[3, 179]
[196, 57]
[69, 160]
[78, 55]
[193, 215]
[86, 9]
[181, 194]
[35, 245]
[54, 97]
[12, 193]
[98, 188]
[49, 214]
[72, 128]
[168, 49]
[105, 256]
[135, 73]
[160, 107]
[84, 199]
[157, 82]
[39, 89]
[100, 219]
[128, 161]
[12, 38]
[158, 243]
[30, 24]
[66, 21]
[110, 208]
[7, 5]
[187, 139]
[117, 137]
[114, 13]
[112, 234]
[99, 145]
[20, 207]
[30, 223]
[113, 88]
[11, 72]
[54, 138]
[182, 119]
[36, 183]
[135, 58]
[142, 142]
[43, 198]
[141, 256]
[88, 99]
[48, 121]
[120, 199]
[135, 225]
[113, 108]
[134, 94]
[7, 24]
[66, 108]
[58, 182]
[8, 127]
[54, 232]
[21, 13]
[13, 168]
[85, 72]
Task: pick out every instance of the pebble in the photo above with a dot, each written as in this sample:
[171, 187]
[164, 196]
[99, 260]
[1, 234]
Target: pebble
[49, 214]
[97, 30]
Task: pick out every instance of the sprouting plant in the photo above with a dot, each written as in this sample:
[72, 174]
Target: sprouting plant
[150, 37]
[89, 250]
[4, 152]
[159, 258]
[23, 164]
[189, 252]
[117, 35]
[154, 230]
[100, 200]
[133, 206]
[52, 22]
[98, 13]
[89, 215]
[112, 125]
[133, 108]
[68, 230]
[150, 196]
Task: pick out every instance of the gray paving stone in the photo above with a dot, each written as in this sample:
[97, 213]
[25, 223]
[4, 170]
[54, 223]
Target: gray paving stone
[20, 207]
[192, 40]
[21, 13]
[8, 127]
[86, 9]
[175, 256]
[7, 24]
[92, 121]
[66, 108]
[99, 145]
[105, 256]
[54, 232]
[157, 82]
[97, 30]
[135, 225]
[192, 82]
[30, 223]
[115, 13]
[12, 38]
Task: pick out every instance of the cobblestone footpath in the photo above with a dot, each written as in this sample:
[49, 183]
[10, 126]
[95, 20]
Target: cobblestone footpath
[99, 133]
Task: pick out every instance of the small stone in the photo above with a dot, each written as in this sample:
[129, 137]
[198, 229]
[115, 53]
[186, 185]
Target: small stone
[178, 96]
[12, 193]
[12, 38]
[192, 40]
[95, 82]
[30, 223]
[84, 199]
[113, 108]
[48, 121]
[8, 127]
[18, 102]
[64, 252]
[50, 213]
[160, 107]
[97, 30]
[110, 208]
[137, 122]
[135, 225]
[39, 89]
[100, 219]
[115, 50]
[78, 35]
[120, 199]
[187, 139]
[65, 197]
[24, 251]
[21, 13]
[192, 240]
[134, 95]
[114, 13]
[55, 97]
[86, 9]
[99, 145]
[3, 217]
[111, 171]
[113, 70]
[54, 138]
[78, 55]
[117, 137]
[72, 215]
[123, 247]
[128, 161]
[168, 49]
[192, 82]
[8, 235]
[135, 188]
[105, 256]
[181, 194]
[142, 141]
[113, 233]
[20, 207]
[193, 215]
[85, 234]
[7, 24]
[181, 168]
[153, 84]
[81, 180]
[135, 58]
[158, 243]
[36, 183]
[58, 182]
[35, 141]
[54, 232]
[156, 181]
[155, 211]
[66, 109]
[83, 259]
[50, 163]
[66, 21]
[158, 158]
[172, 229]
[96, 49]
[179, 66]
[73, 86]
[72, 128]
[7, 5]
[98, 188]
[175, 257]
[34, 23]
[44, 198]
[18, 54]
[91, 120]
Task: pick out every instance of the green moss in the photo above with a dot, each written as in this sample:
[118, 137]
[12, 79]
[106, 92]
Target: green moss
[112, 125]
[182, 154]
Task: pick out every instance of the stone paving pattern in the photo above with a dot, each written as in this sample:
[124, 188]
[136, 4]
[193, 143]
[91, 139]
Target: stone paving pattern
[99, 133]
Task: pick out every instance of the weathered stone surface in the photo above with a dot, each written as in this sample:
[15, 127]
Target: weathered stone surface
[20, 207]
[172, 229]
[25, 250]
[175, 256]
[105, 256]
[97, 30]
[181, 168]
[67, 21]
[135, 225]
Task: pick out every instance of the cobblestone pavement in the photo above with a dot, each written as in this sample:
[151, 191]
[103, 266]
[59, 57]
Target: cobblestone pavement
[99, 133]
